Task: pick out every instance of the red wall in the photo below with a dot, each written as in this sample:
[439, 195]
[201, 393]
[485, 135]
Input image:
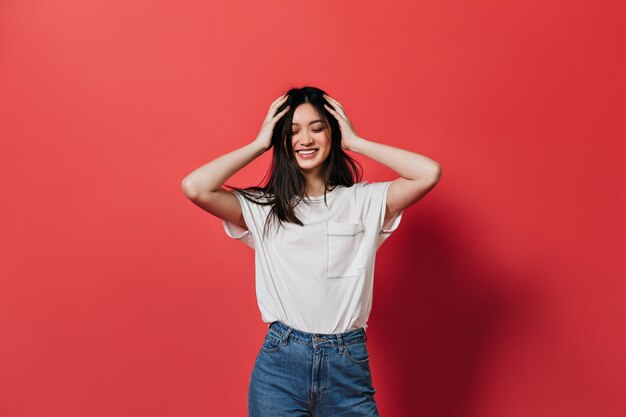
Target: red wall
[501, 294]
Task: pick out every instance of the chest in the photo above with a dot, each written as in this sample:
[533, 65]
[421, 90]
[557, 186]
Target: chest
[332, 249]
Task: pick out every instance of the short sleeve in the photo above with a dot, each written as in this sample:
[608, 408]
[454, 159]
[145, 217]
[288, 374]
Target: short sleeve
[251, 212]
[376, 205]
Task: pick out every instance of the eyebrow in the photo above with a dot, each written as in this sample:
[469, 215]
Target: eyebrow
[314, 121]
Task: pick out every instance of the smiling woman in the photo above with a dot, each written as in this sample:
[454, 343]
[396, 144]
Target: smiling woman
[315, 269]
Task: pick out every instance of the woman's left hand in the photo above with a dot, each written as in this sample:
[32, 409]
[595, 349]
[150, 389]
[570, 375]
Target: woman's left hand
[348, 135]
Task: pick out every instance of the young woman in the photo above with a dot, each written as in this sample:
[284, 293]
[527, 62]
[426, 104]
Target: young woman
[315, 228]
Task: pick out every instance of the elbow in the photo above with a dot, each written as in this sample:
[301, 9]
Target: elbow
[188, 188]
[436, 174]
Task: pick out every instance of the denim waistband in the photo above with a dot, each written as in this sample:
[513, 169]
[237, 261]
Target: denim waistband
[287, 333]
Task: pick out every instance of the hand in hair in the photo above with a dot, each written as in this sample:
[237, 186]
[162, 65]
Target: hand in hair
[264, 138]
[348, 135]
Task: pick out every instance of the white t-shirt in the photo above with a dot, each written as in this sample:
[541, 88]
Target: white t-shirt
[319, 277]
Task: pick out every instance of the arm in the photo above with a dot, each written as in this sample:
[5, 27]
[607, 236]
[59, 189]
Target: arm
[203, 186]
[212, 176]
[418, 173]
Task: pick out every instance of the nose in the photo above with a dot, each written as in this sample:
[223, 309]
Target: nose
[309, 141]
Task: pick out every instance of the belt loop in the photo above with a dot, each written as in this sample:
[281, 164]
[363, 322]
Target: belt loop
[340, 343]
[365, 337]
[286, 336]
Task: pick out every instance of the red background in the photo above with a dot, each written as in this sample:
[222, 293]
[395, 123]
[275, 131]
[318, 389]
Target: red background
[501, 294]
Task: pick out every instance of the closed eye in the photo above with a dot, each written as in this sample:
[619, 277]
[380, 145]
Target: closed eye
[316, 131]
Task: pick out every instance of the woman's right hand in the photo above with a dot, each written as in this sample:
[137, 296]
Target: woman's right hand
[264, 139]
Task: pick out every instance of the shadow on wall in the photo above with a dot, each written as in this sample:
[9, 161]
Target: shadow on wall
[441, 305]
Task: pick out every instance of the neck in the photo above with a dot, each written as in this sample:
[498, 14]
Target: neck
[315, 189]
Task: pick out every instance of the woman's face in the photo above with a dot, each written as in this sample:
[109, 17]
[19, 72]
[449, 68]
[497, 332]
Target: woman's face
[309, 131]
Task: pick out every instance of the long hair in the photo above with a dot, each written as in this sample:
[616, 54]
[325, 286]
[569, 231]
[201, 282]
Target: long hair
[286, 185]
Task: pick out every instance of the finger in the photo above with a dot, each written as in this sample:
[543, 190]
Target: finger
[333, 112]
[337, 115]
[284, 96]
[280, 114]
[329, 98]
[341, 112]
[277, 103]
[336, 106]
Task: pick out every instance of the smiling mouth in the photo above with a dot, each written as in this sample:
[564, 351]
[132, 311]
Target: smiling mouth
[307, 151]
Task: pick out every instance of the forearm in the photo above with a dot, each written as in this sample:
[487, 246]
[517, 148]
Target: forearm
[409, 165]
[212, 175]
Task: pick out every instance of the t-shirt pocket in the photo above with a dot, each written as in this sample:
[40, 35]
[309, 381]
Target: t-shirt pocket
[344, 244]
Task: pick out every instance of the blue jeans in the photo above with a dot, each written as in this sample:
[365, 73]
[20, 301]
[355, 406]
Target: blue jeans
[301, 374]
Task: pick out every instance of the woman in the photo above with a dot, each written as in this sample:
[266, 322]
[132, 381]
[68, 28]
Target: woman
[315, 228]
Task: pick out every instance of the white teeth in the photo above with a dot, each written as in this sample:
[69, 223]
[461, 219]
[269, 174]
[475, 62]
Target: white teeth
[308, 152]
